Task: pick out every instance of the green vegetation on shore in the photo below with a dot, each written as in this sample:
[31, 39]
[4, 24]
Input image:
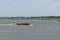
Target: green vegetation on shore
[32, 18]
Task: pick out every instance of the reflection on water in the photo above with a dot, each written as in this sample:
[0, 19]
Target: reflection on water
[41, 30]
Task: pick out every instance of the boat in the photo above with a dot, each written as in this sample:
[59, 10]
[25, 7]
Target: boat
[22, 24]
[14, 23]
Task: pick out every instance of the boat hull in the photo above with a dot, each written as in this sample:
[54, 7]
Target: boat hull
[16, 24]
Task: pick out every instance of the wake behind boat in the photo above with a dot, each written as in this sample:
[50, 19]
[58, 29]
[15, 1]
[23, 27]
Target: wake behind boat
[6, 24]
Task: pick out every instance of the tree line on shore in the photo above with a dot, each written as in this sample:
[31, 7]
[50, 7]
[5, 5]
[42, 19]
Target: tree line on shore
[33, 17]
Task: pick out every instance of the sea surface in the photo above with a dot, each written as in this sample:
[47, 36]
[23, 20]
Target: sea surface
[40, 30]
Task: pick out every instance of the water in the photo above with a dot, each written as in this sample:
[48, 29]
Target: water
[40, 30]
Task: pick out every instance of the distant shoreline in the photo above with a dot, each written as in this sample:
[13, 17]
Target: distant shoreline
[32, 18]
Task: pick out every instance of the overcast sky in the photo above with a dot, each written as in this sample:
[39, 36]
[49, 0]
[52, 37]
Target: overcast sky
[29, 7]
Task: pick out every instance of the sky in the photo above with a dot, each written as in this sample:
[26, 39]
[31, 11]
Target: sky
[29, 8]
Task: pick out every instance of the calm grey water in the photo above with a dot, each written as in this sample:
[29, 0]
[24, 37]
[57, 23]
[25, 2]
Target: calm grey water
[41, 30]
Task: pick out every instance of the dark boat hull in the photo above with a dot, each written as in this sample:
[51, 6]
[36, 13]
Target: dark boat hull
[23, 23]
